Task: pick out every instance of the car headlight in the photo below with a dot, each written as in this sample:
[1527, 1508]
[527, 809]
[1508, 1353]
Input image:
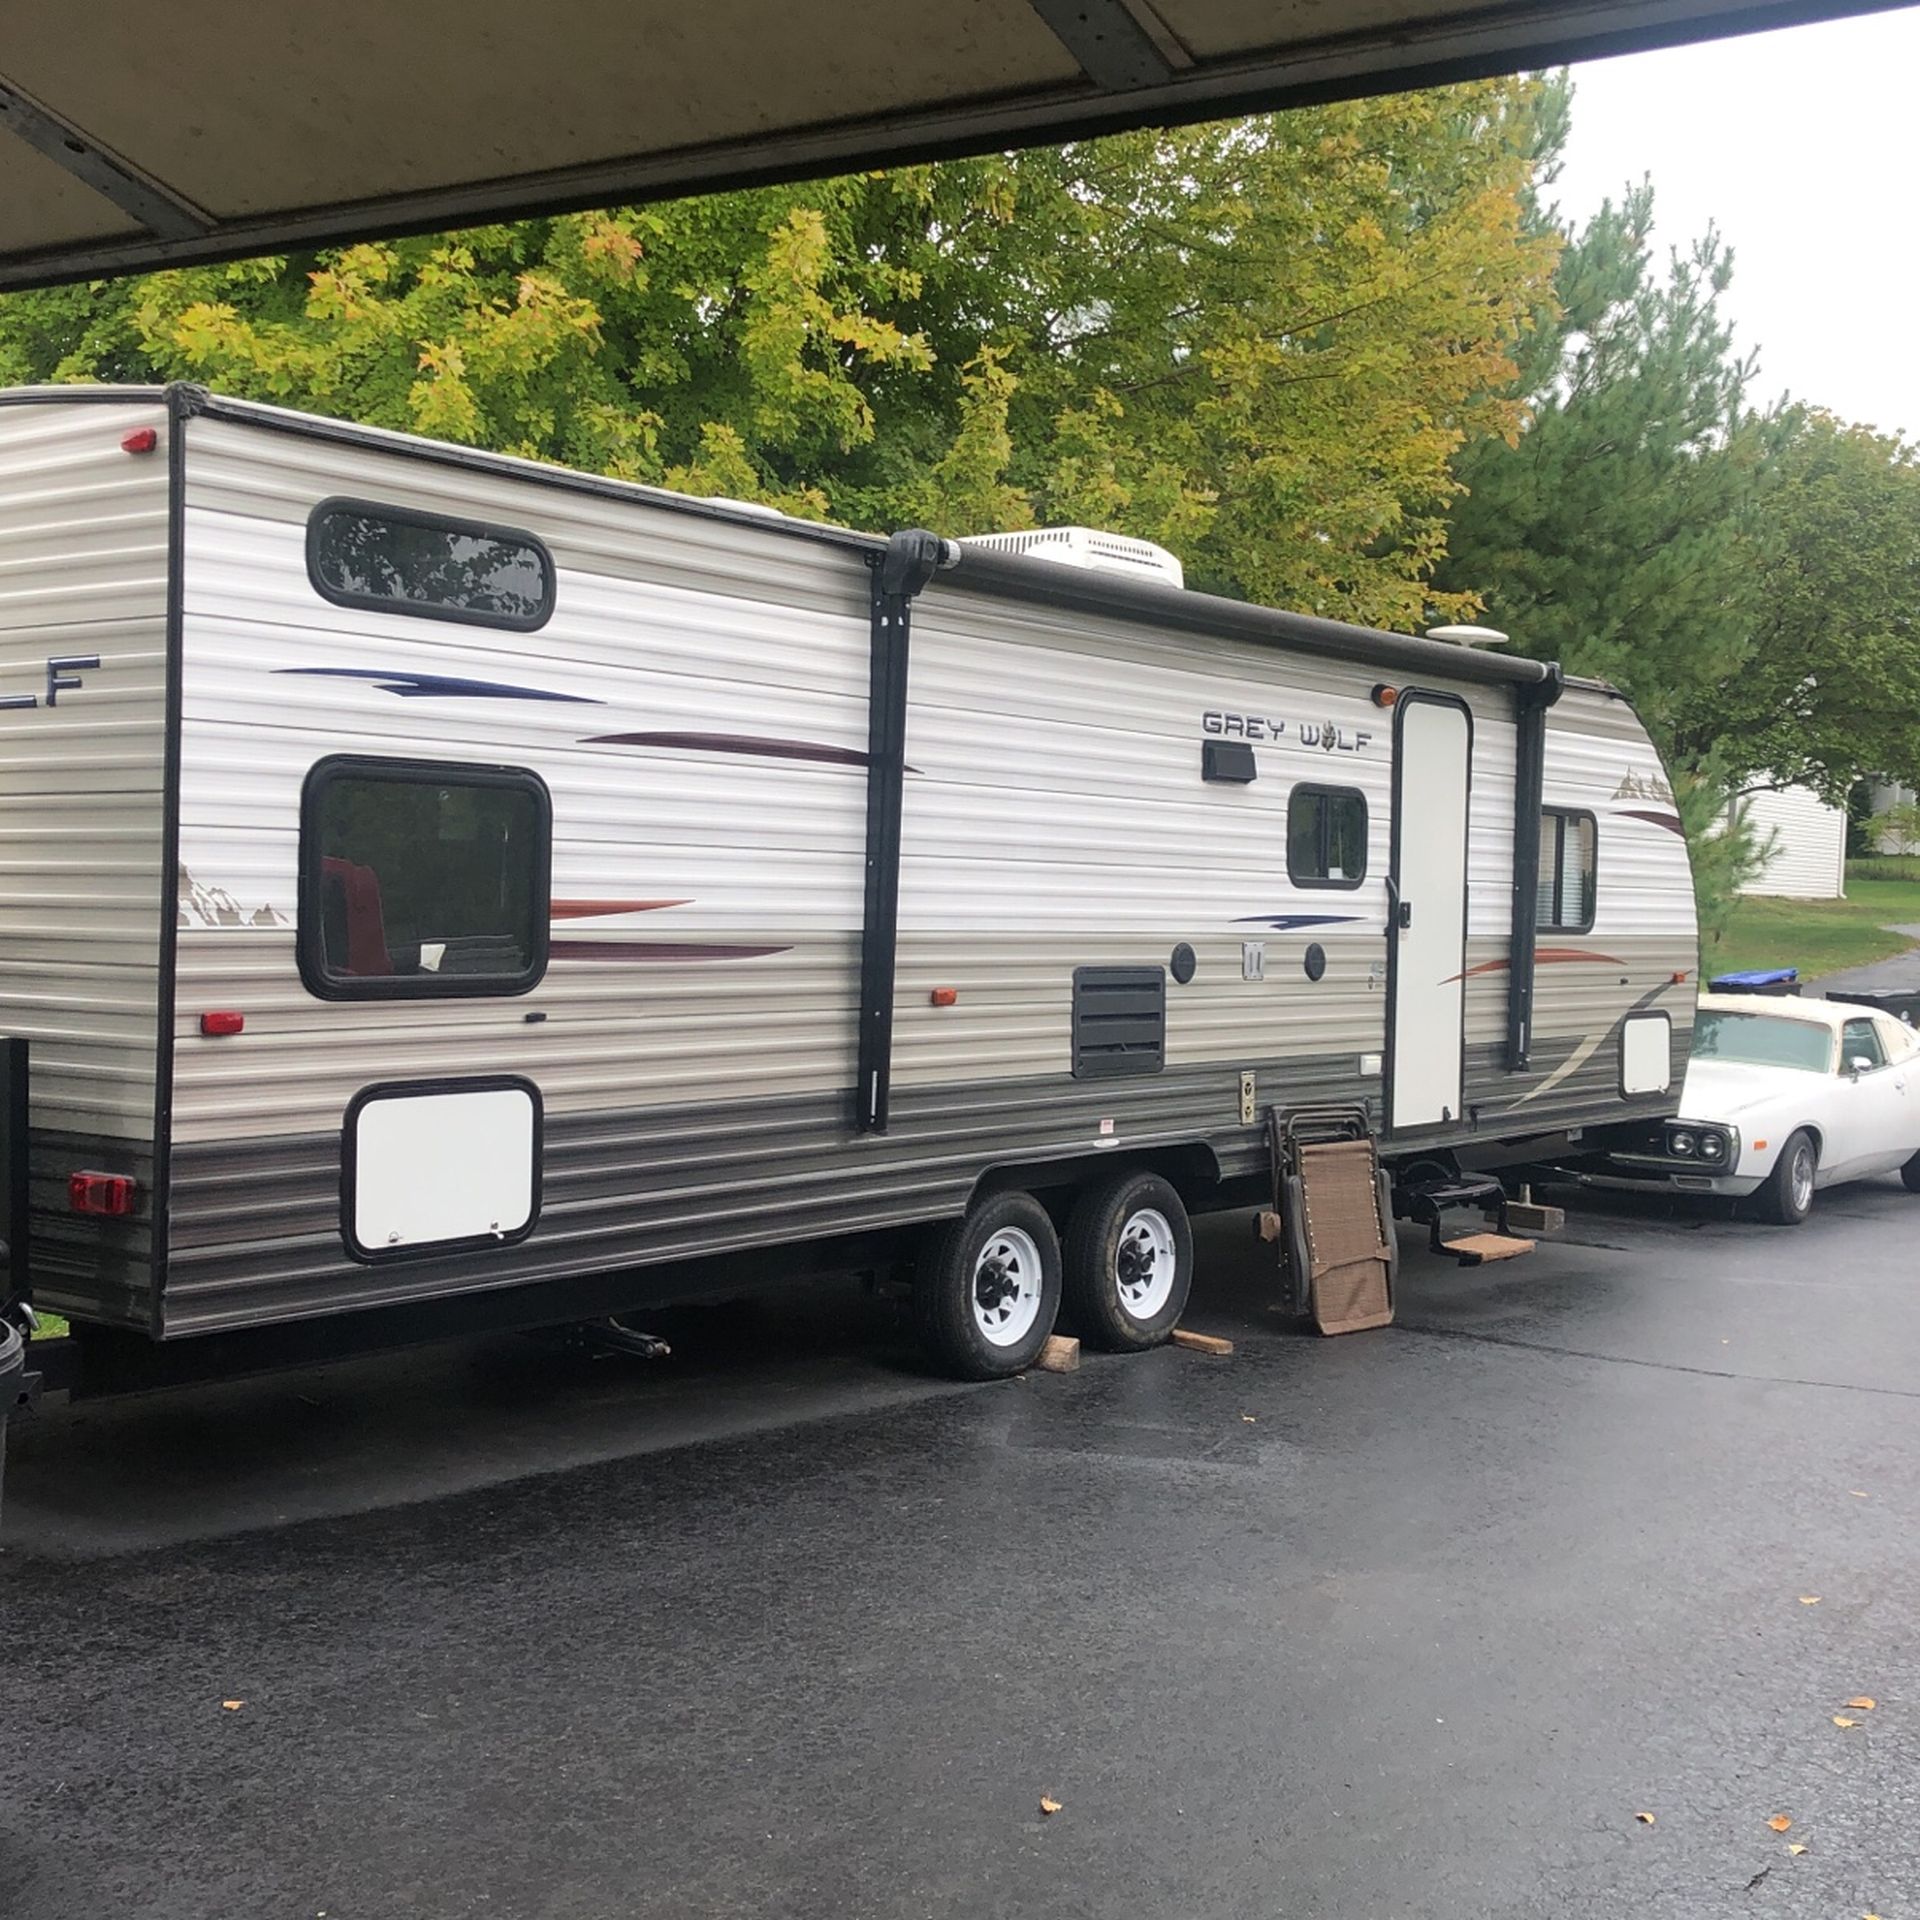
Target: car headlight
[1713, 1146]
[1681, 1144]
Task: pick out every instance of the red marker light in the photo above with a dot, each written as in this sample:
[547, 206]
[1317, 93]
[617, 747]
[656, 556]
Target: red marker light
[110, 1194]
[141, 440]
[944, 996]
[1384, 695]
[216, 1024]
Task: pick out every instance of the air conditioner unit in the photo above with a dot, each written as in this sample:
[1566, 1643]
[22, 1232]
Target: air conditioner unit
[1089, 547]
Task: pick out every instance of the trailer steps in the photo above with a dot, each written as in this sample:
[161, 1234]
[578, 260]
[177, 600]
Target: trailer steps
[1424, 1201]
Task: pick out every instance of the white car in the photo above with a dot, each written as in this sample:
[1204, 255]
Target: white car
[1785, 1096]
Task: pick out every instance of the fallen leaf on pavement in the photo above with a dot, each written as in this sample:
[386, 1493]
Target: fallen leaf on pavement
[1645, 1819]
[233, 1706]
[1048, 1804]
[1841, 1720]
[1809, 1599]
[1780, 1823]
[1864, 1701]
[1859, 1493]
[1795, 1847]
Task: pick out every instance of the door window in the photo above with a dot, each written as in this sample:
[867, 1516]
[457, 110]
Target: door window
[1859, 1041]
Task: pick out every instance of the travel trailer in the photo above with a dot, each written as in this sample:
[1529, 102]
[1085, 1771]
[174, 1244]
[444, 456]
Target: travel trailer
[440, 890]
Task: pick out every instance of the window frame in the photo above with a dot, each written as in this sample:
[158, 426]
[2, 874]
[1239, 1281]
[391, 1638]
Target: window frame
[1324, 790]
[433, 523]
[325, 984]
[1557, 924]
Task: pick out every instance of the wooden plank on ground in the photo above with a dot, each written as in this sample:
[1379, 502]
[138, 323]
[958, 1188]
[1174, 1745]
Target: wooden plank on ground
[1059, 1355]
[1489, 1246]
[1201, 1342]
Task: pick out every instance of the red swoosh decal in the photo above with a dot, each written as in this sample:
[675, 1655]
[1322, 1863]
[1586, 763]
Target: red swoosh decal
[593, 909]
[1543, 956]
[1671, 821]
[656, 950]
[736, 743]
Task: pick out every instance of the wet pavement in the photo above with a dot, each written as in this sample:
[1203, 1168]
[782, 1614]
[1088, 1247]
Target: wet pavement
[1410, 1623]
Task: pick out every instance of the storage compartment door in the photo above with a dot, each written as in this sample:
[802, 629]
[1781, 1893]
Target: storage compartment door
[437, 1165]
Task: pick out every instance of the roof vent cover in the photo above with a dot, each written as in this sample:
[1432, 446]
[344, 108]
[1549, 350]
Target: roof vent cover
[1090, 548]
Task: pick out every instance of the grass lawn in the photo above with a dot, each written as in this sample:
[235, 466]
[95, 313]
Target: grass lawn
[1822, 936]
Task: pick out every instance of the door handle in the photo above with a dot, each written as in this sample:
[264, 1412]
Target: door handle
[1403, 914]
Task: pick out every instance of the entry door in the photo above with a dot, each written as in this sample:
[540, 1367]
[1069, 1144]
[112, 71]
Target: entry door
[1427, 909]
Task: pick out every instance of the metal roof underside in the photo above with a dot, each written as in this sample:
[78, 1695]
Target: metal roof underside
[139, 135]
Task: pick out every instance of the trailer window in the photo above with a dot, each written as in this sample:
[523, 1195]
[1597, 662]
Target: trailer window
[400, 561]
[1326, 837]
[421, 879]
[1569, 851]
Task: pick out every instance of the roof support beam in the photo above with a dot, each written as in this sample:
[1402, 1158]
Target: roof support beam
[1114, 50]
[162, 212]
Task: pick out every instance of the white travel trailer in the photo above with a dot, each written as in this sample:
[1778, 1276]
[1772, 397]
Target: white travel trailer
[438, 889]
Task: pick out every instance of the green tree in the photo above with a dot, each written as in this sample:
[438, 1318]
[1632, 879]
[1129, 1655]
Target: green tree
[1617, 532]
[1263, 342]
[1830, 686]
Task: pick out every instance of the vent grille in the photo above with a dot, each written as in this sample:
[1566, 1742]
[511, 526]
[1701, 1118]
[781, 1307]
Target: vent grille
[1119, 1021]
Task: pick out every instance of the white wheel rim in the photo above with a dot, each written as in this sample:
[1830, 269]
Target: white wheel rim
[1145, 1261]
[1801, 1174]
[1006, 1287]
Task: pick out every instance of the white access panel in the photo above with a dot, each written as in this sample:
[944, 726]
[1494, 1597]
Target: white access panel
[1646, 1053]
[443, 1166]
[1433, 765]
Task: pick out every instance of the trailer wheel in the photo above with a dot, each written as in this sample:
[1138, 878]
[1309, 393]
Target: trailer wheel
[1129, 1262]
[1910, 1175]
[986, 1289]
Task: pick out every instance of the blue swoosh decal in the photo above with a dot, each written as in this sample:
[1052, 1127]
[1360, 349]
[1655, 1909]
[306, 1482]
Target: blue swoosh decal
[1292, 922]
[413, 686]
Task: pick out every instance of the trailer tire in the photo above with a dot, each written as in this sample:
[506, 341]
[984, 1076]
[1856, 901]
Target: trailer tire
[986, 1288]
[1129, 1262]
[1910, 1175]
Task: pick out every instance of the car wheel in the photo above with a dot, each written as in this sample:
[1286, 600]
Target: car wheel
[1910, 1175]
[1129, 1263]
[1787, 1198]
[986, 1288]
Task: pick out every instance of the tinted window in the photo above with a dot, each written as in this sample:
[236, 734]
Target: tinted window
[1762, 1040]
[1326, 837]
[1568, 859]
[420, 879]
[360, 555]
[1859, 1041]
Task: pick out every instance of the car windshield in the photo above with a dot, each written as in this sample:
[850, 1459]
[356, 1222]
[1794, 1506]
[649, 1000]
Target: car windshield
[1762, 1040]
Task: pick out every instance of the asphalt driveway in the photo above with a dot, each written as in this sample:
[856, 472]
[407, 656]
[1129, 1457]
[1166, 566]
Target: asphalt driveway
[1415, 1622]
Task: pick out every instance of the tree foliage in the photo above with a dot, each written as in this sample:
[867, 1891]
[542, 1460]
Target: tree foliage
[1829, 691]
[1262, 342]
[1617, 534]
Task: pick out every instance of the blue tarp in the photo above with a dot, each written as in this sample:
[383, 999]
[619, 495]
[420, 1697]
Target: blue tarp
[1754, 977]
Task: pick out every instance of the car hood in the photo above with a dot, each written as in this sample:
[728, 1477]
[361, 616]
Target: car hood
[1725, 1089]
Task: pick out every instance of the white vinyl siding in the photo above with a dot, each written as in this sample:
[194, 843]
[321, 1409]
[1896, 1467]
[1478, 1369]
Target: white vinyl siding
[1808, 860]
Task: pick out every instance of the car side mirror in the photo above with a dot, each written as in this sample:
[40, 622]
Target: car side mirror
[1859, 1064]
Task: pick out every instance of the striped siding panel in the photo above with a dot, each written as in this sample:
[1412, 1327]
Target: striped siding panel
[83, 568]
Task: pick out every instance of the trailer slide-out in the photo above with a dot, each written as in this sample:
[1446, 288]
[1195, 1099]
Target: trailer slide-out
[432, 880]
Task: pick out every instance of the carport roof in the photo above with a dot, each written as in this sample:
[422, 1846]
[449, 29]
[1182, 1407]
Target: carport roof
[201, 129]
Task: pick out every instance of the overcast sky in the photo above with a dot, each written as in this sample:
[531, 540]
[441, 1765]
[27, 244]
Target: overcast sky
[1803, 146]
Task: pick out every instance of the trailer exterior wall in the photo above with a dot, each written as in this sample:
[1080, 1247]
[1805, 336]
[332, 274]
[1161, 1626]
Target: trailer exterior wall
[698, 708]
[83, 575]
